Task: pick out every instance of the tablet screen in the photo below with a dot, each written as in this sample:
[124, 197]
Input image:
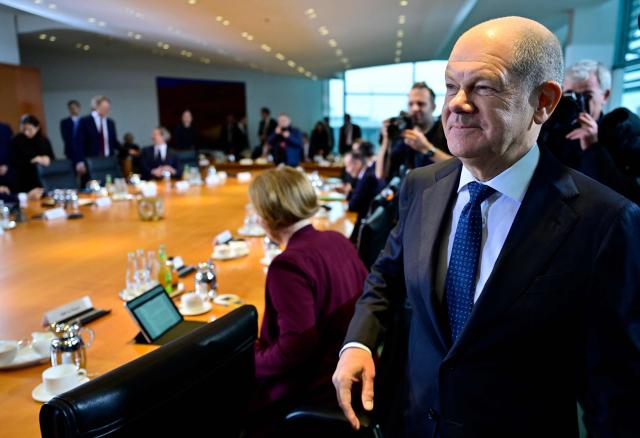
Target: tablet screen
[155, 312]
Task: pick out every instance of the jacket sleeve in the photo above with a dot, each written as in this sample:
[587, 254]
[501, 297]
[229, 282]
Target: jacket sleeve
[384, 286]
[77, 154]
[612, 396]
[291, 296]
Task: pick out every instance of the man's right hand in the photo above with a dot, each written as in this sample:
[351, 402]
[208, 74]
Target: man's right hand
[355, 365]
[81, 168]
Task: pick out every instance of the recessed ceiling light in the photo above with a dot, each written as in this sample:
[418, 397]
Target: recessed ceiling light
[333, 43]
[291, 64]
[308, 74]
[310, 12]
[265, 47]
[37, 2]
[244, 34]
[250, 37]
[323, 30]
[398, 52]
[338, 52]
[52, 38]
[102, 24]
[86, 47]
[138, 36]
[345, 60]
[400, 33]
[166, 46]
[192, 2]
[301, 69]
[91, 20]
[226, 22]
[399, 44]
[404, 2]
[219, 18]
[43, 36]
[53, 6]
[130, 34]
[280, 56]
[401, 19]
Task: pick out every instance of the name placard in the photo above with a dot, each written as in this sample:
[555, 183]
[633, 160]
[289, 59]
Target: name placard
[68, 310]
[104, 201]
[55, 213]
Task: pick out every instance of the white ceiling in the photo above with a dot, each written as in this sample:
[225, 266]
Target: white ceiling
[322, 37]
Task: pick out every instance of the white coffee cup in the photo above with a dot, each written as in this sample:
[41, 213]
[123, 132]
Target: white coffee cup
[8, 352]
[192, 301]
[222, 251]
[41, 342]
[62, 378]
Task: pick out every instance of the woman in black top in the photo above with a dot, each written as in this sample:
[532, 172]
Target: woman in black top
[28, 149]
[319, 144]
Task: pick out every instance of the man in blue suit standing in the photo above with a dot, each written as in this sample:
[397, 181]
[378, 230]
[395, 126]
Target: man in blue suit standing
[69, 128]
[522, 276]
[96, 134]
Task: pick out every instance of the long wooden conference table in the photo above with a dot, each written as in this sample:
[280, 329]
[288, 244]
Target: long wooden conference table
[46, 264]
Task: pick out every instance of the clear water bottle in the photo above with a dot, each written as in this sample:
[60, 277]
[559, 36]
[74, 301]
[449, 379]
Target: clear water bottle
[5, 216]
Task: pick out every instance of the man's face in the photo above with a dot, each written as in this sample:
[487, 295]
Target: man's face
[264, 115]
[591, 87]
[103, 108]
[156, 137]
[486, 112]
[421, 107]
[187, 118]
[284, 121]
[74, 109]
[29, 130]
[353, 167]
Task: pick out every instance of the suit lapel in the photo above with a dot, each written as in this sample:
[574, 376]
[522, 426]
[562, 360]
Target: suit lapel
[435, 204]
[541, 225]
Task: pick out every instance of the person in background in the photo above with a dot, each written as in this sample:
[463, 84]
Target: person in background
[156, 160]
[129, 150]
[285, 143]
[319, 144]
[28, 149]
[6, 134]
[310, 292]
[265, 129]
[243, 140]
[185, 136]
[348, 133]
[305, 147]
[69, 128]
[96, 134]
[364, 186]
[327, 124]
[420, 140]
[232, 138]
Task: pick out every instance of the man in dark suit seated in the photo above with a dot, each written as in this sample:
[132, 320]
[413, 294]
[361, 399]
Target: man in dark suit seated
[521, 275]
[365, 186]
[157, 160]
[96, 134]
[69, 128]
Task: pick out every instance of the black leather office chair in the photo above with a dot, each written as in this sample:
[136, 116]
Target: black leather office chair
[187, 158]
[100, 167]
[58, 174]
[197, 385]
[313, 422]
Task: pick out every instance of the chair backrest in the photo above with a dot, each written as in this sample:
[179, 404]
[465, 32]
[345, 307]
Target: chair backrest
[58, 174]
[100, 167]
[312, 422]
[199, 384]
[187, 158]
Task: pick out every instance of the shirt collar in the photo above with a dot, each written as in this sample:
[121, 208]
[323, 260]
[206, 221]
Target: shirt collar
[512, 182]
[160, 146]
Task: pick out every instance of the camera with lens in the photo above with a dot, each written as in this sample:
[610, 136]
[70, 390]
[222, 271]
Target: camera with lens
[399, 124]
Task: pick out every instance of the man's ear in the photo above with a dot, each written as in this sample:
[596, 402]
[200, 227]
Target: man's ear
[549, 95]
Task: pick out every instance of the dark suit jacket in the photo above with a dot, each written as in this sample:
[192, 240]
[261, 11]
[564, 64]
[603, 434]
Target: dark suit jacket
[356, 133]
[287, 150]
[271, 126]
[148, 162]
[68, 137]
[360, 197]
[88, 140]
[558, 319]
[311, 291]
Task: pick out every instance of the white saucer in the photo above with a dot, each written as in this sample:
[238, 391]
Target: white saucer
[26, 357]
[232, 255]
[41, 395]
[251, 232]
[204, 309]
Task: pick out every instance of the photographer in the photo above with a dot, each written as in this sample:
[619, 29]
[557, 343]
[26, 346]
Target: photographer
[286, 142]
[605, 147]
[412, 140]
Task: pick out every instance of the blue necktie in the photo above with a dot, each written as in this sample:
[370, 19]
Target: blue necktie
[463, 265]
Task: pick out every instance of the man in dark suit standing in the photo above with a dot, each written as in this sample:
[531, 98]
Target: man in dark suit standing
[348, 134]
[157, 160]
[96, 134]
[521, 275]
[69, 128]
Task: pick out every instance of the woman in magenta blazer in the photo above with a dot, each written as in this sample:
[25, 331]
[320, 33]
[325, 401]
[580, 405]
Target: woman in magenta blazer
[310, 295]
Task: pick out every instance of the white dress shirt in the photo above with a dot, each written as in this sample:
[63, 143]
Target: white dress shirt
[161, 149]
[105, 132]
[498, 213]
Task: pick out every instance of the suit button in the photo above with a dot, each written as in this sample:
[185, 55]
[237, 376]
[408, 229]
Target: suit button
[432, 415]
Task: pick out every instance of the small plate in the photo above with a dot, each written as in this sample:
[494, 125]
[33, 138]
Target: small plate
[128, 296]
[204, 309]
[251, 232]
[41, 395]
[26, 357]
[232, 255]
